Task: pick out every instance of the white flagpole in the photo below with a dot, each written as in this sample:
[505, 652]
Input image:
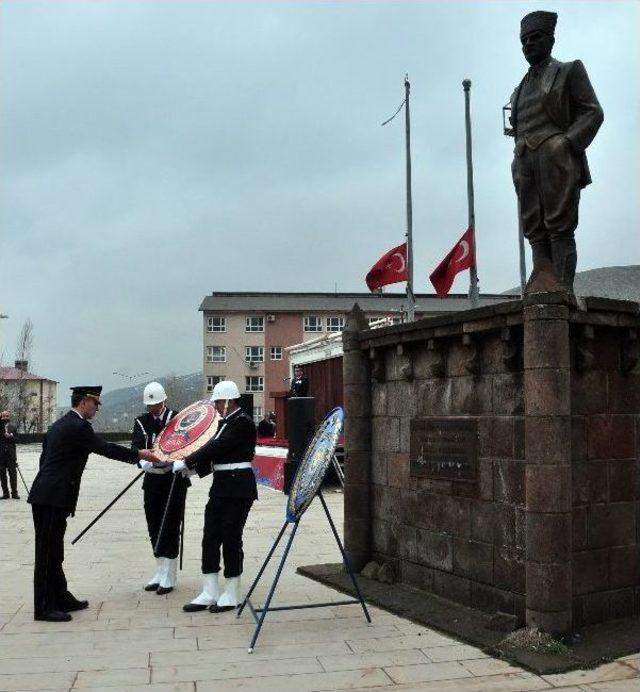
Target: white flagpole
[411, 313]
[474, 293]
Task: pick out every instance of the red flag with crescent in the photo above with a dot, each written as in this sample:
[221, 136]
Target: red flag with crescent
[463, 256]
[389, 269]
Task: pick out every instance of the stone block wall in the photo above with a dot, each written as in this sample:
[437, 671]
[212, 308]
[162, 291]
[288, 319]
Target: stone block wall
[548, 528]
[605, 446]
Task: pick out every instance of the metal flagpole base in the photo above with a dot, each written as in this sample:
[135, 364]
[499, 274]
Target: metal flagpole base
[259, 614]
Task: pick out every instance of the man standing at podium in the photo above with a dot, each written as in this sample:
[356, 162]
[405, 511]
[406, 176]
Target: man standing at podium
[299, 383]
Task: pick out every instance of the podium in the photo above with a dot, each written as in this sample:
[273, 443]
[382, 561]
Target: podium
[280, 403]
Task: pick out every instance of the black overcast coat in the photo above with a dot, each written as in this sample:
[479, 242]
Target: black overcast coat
[235, 442]
[65, 450]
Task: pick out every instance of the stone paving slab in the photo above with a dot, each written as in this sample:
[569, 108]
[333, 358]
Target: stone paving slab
[132, 641]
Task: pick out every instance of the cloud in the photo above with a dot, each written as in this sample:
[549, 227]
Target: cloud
[155, 151]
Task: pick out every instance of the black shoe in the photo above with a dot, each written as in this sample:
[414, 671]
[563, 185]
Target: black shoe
[15, 496]
[220, 609]
[162, 590]
[4, 497]
[53, 616]
[69, 603]
[193, 607]
[151, 587]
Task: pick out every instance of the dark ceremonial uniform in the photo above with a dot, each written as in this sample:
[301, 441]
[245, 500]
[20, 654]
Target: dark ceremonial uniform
[266, 428]
[229, 455]
[54, 495]
[299, 387]
[156, 487]
[8, 459]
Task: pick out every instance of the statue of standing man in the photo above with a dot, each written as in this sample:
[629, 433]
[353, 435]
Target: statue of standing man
[555, 115]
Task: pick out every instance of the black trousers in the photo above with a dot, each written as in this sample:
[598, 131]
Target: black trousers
[156, 493]
[8, 466]
[49, 582]
[224, 520]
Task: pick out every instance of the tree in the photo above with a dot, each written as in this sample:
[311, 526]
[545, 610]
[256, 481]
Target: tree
[25, 414]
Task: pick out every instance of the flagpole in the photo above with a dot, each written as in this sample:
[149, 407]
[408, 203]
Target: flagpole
[411, 314]
[474, 293]
[523, 261]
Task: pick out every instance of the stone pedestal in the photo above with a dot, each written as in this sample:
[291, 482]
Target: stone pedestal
[547, 396]
[492, 457]
[356, 376]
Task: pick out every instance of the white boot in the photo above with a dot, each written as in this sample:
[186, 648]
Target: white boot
[155, 580]
[231, 597]
[209, 594]
[169, 576]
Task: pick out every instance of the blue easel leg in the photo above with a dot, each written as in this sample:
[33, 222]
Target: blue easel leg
[262, 569]
[265, 608]
[345, 559]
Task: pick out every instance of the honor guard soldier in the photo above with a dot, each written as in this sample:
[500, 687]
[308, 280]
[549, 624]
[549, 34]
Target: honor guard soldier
[54, 496]
[228, 455]
[156, 487]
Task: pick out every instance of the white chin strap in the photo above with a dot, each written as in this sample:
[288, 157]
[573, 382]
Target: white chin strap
[224, 410]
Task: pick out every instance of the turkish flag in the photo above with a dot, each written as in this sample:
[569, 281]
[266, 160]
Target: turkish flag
[463, 256]
[389, 269]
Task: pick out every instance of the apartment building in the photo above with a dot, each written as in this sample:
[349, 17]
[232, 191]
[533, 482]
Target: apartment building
[245, 334]
[31, 399]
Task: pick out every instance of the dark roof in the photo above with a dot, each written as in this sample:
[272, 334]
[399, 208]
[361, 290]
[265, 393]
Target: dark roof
[336, 302]
[17, 374]
[619, 283]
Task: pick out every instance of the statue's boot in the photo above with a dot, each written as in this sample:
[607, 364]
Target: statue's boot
[543, 277]
[565, 258]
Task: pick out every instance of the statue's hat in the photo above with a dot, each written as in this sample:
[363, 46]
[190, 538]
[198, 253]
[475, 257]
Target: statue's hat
[538, 21]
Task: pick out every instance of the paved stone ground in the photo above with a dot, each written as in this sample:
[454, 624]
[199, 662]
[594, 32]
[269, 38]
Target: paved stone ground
[132, 640]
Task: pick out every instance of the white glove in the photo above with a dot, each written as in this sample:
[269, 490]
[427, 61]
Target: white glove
[179, 466]
[150, 467]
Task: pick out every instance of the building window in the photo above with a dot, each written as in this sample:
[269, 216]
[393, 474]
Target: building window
[254, 324]
[254, 383]
[276, 353]
[373, 320]
[216, 354]
[312, 323]
[335, 324]
[257, 414]
[254, 354]
[212, 381]
[216, 324]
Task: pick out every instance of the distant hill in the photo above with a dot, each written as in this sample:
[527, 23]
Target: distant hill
[621, 283]
[121, 406]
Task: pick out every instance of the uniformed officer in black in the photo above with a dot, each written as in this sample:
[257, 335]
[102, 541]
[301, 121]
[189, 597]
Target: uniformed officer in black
[228, 455]
[54, 495]
[299, 383]
[8, 457]
[156, 487]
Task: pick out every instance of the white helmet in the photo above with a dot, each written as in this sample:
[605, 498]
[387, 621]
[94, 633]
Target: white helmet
[226, 389]
[154, 394]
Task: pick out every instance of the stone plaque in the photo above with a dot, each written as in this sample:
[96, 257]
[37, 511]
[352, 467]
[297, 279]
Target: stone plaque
[444, 448]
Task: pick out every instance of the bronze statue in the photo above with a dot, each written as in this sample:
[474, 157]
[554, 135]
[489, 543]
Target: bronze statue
[555, 115]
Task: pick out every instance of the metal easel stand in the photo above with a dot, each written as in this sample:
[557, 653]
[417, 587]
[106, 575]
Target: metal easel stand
[259, 614]
[338, 470]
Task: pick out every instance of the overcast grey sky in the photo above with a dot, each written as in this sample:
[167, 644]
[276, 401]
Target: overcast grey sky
[154, 151]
